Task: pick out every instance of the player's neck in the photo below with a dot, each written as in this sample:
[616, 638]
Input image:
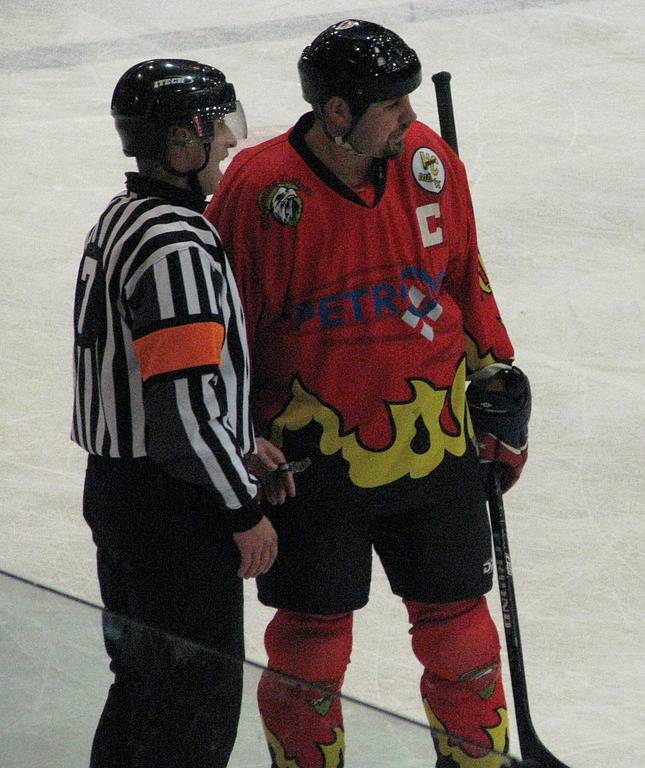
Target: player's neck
[352, 169]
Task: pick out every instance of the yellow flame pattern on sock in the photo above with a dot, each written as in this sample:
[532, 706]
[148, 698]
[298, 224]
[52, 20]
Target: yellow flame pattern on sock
[277, 750]
[497, 736]
[332, 753]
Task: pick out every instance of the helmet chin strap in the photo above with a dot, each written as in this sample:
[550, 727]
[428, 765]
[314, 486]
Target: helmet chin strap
[344, 141]
[191, 176]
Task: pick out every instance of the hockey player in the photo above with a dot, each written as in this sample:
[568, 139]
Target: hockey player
[353, 242]
[161, 406]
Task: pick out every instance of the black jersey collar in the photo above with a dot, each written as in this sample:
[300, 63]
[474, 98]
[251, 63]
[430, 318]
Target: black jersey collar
[297, 141]
[147, 187]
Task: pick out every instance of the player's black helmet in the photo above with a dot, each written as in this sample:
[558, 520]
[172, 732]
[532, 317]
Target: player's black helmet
[158, 93]
[360, 61]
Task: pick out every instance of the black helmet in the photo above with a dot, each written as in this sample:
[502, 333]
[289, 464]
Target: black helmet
[158, 93]
[360, 61]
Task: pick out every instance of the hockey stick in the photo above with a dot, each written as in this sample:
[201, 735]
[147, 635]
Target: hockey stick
[441, 82]
[531, 747]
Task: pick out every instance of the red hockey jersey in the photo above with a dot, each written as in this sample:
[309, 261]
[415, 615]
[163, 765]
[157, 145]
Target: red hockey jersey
[363, 318]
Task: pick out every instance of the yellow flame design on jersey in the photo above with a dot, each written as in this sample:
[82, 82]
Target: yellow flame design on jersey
[475, 360]
[497, 736]
[484, 282]
[332, 753]
[368, 468]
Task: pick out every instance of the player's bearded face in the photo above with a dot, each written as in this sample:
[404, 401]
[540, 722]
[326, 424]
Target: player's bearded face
[381, 130]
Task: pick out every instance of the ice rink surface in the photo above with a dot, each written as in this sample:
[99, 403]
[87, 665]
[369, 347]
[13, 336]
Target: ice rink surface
[550, 107]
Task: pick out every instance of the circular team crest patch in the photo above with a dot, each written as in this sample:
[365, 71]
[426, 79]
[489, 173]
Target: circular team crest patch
[283, 202]
[428, 170]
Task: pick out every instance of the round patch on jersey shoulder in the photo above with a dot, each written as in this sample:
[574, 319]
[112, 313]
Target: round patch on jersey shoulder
[428, 170]
[283, 201]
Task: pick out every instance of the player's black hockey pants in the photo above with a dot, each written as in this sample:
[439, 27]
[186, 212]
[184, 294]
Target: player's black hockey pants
[173, 625]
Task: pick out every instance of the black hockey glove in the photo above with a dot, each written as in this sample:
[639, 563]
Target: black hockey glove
[501, 419]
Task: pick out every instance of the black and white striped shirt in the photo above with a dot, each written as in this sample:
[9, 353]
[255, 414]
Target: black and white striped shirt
[161, 364]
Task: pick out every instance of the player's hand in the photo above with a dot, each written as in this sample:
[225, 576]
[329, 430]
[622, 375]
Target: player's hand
[258, 549]
[500, 407]
[264, 464]
[509, 461]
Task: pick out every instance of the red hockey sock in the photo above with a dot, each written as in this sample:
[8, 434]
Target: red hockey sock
[303, 723]
[461, 686]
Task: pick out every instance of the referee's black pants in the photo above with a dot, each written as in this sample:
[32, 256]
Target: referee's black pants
[173, 625]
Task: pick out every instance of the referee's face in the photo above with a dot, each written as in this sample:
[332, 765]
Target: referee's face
[223, 140]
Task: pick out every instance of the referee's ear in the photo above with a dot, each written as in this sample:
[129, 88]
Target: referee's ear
[180, 136]
[184, 151]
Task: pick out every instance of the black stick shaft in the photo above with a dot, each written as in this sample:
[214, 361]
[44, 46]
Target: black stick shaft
[441, 82]
[531, 747]
[510, 617]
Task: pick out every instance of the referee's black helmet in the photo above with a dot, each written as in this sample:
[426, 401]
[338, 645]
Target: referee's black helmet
[158, 93]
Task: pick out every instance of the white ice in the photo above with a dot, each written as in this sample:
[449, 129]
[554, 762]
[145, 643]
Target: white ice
[549, 98]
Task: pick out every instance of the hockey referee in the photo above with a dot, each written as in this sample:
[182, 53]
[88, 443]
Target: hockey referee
[161, 377]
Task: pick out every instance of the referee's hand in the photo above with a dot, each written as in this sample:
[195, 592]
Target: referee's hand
[258, 549]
